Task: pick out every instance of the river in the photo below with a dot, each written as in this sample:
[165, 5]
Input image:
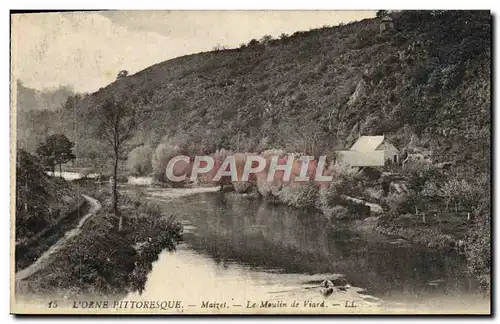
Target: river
[246, 251]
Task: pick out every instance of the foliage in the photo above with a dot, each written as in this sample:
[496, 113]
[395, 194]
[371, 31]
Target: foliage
[163, 153]
[102, 261]
[344, 183]
[31, 211]
[266, 39]
[381, 13]
[243, 187]
[428, 87]
[300, 195]
[43, 205]
[219, 47]
[122, 74]
[139, 160]
[116, 119]
[478, 247]
[56, 150]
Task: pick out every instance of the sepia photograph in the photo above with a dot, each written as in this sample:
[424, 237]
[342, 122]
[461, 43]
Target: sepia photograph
[251, 162]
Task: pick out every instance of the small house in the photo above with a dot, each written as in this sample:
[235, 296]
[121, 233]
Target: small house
[386, 24]
[369, 151]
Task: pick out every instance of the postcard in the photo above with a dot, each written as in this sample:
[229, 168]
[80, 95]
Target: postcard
[251, 162]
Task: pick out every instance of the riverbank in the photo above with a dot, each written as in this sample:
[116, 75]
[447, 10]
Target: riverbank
[428, 236]
[350, 197]
[29, 250]
[371, 214]
[101, 261]
[46, 258]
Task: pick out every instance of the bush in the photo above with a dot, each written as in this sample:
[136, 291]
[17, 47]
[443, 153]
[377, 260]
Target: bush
[253, 42]
[139, 160]
[268, 189]
[102, 261]
[338, 212]
[160, 158]
[300, 195]
[373, 194]
[243, 187]
[283, 36]
[478, 250]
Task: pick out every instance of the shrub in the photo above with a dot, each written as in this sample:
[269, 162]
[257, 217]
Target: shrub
[139, 160]
[271, 152]
[396, 203]
[300, 195]
[219, 47]
[253, 42]
[85, 172]
[268, 189]
[243, 187]
[266, 39]
[283, 36]
[478, 251]
[160, 158]
[373, 194]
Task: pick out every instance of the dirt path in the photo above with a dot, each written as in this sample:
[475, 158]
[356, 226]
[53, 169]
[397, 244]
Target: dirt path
[46, 258]
[374, 208]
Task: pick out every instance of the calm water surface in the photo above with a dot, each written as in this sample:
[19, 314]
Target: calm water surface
[242, 250]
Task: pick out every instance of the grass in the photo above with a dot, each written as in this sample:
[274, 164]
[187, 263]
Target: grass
[440, 233]
[28, 252]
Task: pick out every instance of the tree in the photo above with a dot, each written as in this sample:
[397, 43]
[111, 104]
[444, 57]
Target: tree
[253, 42]
[266, 39]
[116, 119]
[139, 160]
[56, 150]
[219, 47]
[122, 74]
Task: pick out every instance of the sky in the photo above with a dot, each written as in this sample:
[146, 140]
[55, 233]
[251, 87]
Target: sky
[86, 50]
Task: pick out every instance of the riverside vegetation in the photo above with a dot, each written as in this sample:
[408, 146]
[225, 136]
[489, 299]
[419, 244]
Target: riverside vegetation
[100, 260]
[425, 85]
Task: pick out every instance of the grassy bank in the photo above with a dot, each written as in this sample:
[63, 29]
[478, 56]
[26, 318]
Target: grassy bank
[102, 261]
[447, 234]
[46, 207]
[30, 250]
[423, 204]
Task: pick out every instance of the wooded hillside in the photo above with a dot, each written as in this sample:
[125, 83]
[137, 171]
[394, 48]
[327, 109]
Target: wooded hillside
[424, 84]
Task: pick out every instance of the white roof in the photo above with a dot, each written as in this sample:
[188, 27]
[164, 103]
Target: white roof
[367, 143]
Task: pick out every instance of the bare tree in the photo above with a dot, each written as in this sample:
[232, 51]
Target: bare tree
[117, 119]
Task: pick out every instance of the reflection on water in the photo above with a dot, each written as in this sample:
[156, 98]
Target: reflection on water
[191, 276]
[255, 249]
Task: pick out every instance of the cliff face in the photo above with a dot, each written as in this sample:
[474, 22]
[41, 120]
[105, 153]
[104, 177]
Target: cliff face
[425, 84]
